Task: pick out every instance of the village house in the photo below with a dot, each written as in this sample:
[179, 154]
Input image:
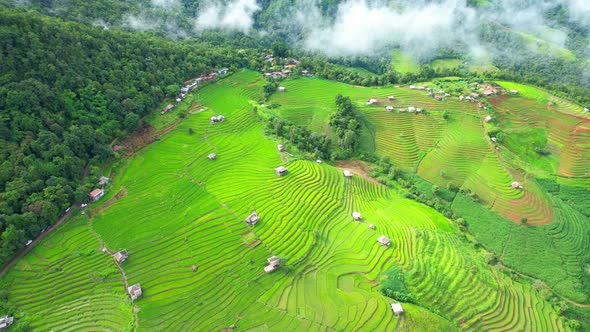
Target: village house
[5, 322]
[273, 264]
[488, 118]
[167, 108]
[184, 90]
[411, 109]
[586, 109]
[493, 139]
[516, 185]
[212, 156]
[402, 110]
[514, 92]
[178, 100]
[213, 119]
[103, 181]
[282, 89]
[134, 291]
[384, 240]
[418, 110]
[347, 173]
[372, 101]
[96, 194]
[371, 226]
[439, 98]
[397, 309]
[389, 108]
[318, 161]
[391, 98]
[281, 170]
[356, 216]
[121, 256]
[252, 219]
[223, 71]
[281, 147]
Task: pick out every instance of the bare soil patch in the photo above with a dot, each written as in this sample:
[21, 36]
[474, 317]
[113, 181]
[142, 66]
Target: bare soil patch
[357, 167]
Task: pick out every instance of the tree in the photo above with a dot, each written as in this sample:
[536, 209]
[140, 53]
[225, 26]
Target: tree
[131, 121]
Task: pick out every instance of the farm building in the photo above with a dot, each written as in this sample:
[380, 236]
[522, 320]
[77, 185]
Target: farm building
[134, 291]
[281, 147]
[121, 256]
[586, 109]
[418, 110]
[273, 264]
[391, 98]
[439, 98]
[516, 185]
[461, 97]
[493, 139]
[384, 240]
[281, 170]
[514, 92]
[372, 101]
[167, 108]
[184, 90]
[282, 89]
[5, 322]
[96, 194]
[347, 173]
[488, 118]
[252, 218]
[389, 108]
[397, 309]
[318, 161]
[371, 226]
[103, 181]
[212, 156]
[356, 216]
[411, 109]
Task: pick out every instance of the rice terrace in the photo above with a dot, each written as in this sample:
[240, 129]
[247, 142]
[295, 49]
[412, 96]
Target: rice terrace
[225, 225]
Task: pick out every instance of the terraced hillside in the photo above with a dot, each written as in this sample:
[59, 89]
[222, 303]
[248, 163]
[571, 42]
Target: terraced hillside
[181, 218]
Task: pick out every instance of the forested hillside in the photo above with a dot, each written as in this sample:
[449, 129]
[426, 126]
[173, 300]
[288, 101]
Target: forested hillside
[66, 91]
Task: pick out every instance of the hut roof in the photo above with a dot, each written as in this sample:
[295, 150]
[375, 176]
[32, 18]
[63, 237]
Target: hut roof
[515, 184]
[5, 322]
[397, 308]
[96, 193]
[134, 291]
[384, 240]
[121, 256]
[281, 147]
[356, 215]
[391, 97]
[488, 118]
[212, 156]
[274, 260]
[269, 268]
[103, 180]
[253, 218]
[281, 170]
[371, 226]
[347, 173]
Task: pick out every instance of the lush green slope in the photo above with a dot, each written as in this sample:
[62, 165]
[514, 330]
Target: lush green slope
[180, 216]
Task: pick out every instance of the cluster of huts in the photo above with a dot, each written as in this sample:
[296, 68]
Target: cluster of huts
[193, 84]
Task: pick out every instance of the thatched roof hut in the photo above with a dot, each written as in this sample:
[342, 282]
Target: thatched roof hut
[384, 240]
[253, 218]
[134, 291]
[121, 256]
[281, 170]
[356, 216]
[397, 309]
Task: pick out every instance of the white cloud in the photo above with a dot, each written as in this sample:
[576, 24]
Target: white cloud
[234, 15]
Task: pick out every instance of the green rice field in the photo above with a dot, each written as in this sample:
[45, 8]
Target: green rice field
[181, 218]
